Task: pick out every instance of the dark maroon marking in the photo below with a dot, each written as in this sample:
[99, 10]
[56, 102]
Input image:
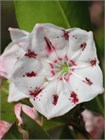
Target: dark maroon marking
[51, 65]
[35, 93]
[60, 59]
[74, 97]
[49, 45]
[55, 99]
[75, 37]
[66, 79]
[70, 74]
[30, 74]
[53, 73]
[55, 61]
[66, 35]
[93, 62]
[88, 81]
[60, 78]
[31, 54]
[83, 46]
[73, 63]
[66, 57]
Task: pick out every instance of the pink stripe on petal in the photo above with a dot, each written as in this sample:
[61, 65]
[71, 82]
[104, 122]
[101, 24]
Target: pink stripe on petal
[4, 127]
[27, 110]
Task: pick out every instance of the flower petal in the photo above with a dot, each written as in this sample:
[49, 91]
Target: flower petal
[53, 100]
[26, 78]
[54, 33]
[15, 94]
[31, 112]
[82, 47]
[12, 53]
[8, 58]
[17, 34]
[4, 127]
[47, 38]
[87, 83]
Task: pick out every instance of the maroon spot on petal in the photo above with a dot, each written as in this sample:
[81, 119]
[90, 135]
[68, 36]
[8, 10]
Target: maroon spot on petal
[88, 81]
[55, 61]
[60, 78]
[83, 46]
[55, 99]
[66, 79]
[74, 97]
[49, 45]
[93, 62]
[35, 93]
[74, 36]
[73, 63]
[30, 74]
[66, 35]
[53, 72]
[51, 65]
[30, 54]
[69, 75]
[66, 57]
[60, 59]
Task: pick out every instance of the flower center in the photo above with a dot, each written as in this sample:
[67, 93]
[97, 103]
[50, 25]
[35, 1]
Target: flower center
[64, 68]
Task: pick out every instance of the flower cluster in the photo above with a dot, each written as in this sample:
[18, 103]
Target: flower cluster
[55, 68]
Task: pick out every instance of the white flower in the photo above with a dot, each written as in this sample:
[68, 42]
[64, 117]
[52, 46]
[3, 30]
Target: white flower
[11, 54]
[58, 70]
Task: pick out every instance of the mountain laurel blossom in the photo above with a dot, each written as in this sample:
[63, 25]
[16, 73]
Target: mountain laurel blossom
[55, 68]
[4, 127]
[30, 111]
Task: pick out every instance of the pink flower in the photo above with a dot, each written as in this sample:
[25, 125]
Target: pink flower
[94, 124]
[4, 127]
[30, 111]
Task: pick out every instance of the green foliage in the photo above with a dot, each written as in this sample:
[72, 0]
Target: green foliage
[67, 133]
[13, 133]
[62, 13]
[7, 109]
[99, 36]
[96, 105]
[51, 124]
[35, 131]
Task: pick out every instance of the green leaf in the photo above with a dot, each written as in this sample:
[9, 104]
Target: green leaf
[62, 13]
[77, 13]
[97, 104]
[67, 133]
[7, 109]
[35, 131]
[99, 36]
[13, 133]
[51, 124]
